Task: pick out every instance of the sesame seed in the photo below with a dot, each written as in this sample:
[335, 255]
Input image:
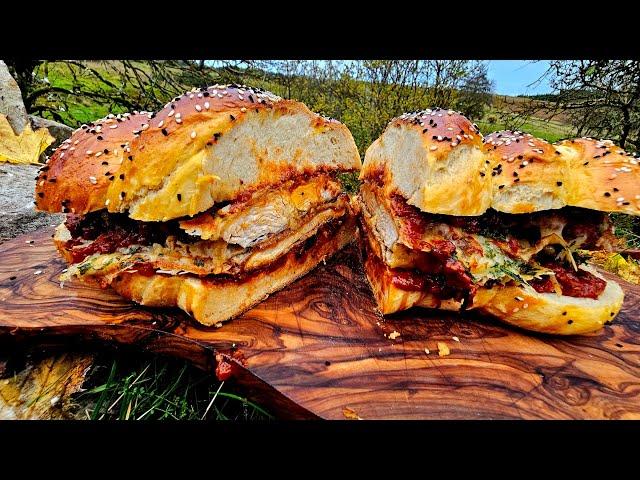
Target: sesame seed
[93, 180]
[98, 154]
[178, 120]
[515, 310]
[193, 134]
[171, 113]
[113, 126]
[206, 105]
[198, 108]
[433, 147]
[144, 126]
[243, 109]
[520, 299]
[106, 202]
[161, 124]
[620, 199]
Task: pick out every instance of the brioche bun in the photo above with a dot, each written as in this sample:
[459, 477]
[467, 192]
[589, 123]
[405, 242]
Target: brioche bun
[78, 174]
[212, 145]
[601, 176]
[434, 159]
[528, 173]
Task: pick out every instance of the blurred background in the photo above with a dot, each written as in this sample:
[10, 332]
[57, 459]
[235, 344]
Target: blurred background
[549, 99]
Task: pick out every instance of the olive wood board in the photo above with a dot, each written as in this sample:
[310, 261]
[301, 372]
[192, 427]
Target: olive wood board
[319, 349]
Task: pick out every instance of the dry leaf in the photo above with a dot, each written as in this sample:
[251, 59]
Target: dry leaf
[350, 414]
[627, 268]
[43, 390]
[23, 148]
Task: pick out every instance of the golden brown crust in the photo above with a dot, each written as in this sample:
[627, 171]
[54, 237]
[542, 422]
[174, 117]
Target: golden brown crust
[433, 158]
[528, 173]
[210, 302]
[549, 312]
[602, 176]
[78, 174]
[201, 149]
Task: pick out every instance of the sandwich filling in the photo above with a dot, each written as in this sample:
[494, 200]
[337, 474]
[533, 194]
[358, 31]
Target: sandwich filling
[455, 255]
[234, 238]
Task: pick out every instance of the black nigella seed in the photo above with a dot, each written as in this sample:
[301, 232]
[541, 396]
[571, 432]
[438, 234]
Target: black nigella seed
[99, 137]
[179, 197]
[607, 194]
[500, 187]
[122, 176]
[105, 151]
[41, 194]
[559, 184]
[615, 189]
[164, 132]
[232, 117]
[569, 322]
[105, 163]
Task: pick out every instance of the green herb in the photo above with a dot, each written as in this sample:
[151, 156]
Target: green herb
[350, 182]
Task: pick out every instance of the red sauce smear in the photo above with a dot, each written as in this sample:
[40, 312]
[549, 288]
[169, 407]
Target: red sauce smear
[581, 284]
[107, 242]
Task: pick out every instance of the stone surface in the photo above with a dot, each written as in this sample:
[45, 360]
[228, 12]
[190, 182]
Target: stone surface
[58, 130]
[11, 103]
[17, 213]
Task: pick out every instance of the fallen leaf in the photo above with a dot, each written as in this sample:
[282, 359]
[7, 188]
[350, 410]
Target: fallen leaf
[43, 390]
[443, 349]
[24, 148]
[350, 414]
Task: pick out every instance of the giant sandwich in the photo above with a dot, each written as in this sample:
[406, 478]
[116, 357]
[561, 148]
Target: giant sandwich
[455, 221]
[223, 197]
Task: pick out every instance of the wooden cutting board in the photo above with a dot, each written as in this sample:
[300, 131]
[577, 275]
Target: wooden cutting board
[319, 349]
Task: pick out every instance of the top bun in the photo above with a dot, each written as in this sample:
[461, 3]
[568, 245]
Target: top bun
[602, 176]
[78, 174]
[528, 173]
[214, 144]
[435, 160]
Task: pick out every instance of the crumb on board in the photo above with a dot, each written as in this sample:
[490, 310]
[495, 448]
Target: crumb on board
[455, 339]
[426, 350]
[393, 335]
[443, 349]
[350, 414]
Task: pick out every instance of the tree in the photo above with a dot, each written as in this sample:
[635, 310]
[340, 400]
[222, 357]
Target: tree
[476, 92]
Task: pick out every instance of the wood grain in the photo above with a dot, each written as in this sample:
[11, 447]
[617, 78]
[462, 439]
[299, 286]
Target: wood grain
[318, 348]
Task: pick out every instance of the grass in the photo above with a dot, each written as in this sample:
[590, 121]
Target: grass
[550, 130]
[134, 387]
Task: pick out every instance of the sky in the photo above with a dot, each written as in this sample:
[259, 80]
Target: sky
[514, 77]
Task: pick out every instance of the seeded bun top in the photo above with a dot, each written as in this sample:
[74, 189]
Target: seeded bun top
[78, 174]
[434, 159]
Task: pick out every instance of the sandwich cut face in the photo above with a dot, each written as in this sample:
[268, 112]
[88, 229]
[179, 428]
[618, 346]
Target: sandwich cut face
[228, 190]
[526, 235]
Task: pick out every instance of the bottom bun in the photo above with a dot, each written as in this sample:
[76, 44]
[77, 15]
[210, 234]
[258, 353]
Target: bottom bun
[517, 305]
[549, 312]
[211, 301]
[390, 298]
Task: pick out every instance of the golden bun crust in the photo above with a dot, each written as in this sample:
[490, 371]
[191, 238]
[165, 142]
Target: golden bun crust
[78, 174]
[519, 306]
[210, 302]
[549, 312]
[391, 299]
[433, 158]
[212, 145]
[528, 173]
[602, 176]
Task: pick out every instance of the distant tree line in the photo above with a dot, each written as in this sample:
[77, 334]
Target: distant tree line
[363, 94]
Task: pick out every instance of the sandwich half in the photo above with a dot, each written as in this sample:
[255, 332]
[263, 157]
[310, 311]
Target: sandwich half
[455, 221]
[226, 195]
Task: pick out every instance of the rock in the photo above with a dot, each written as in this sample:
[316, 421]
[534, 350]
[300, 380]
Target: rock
[59, 130]
[11, 103]
[17, 213]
